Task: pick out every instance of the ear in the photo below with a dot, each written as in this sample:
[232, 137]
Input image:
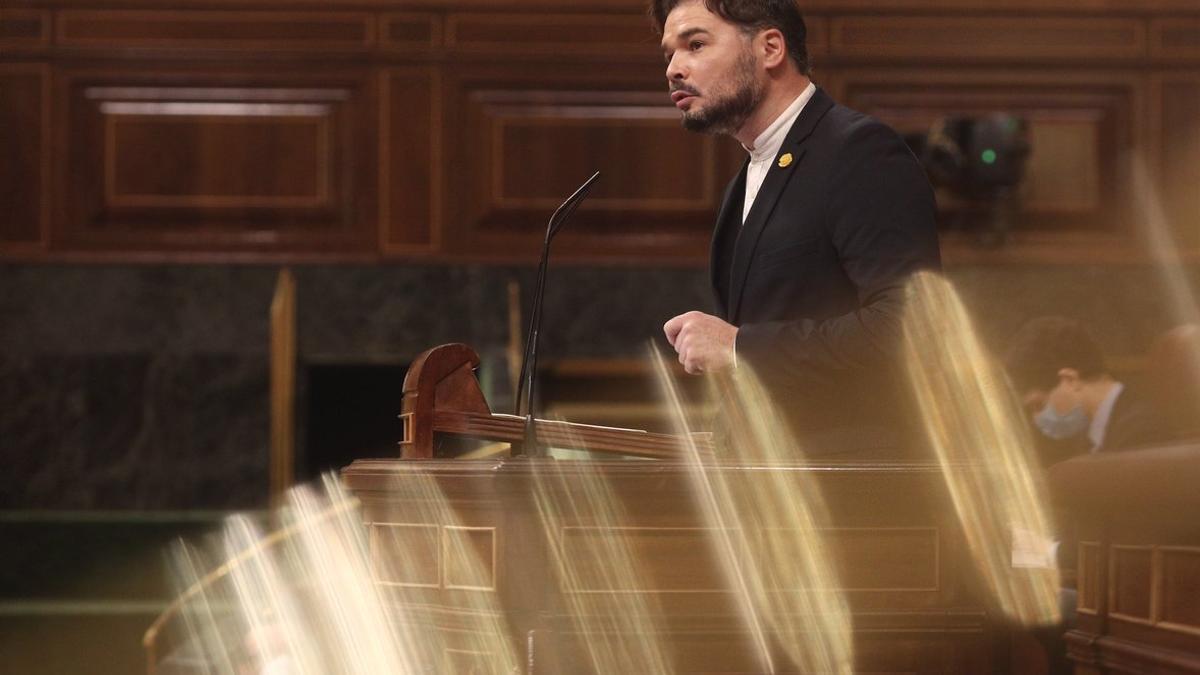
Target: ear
[774, 48]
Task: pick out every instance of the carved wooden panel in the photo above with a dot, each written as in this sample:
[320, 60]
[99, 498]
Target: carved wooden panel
[868, 559]
[24, 28]
[1088, 583]
[976, 38]
[411, 170]
[817, 40]
[1082, 130]
[410, 30]
[24, 162]
[230, 160]
[467, 661]
[215, 29]
[886, 559]
[517, 147]
[552, 34]
[646, 546]
[406, 554]
[625, 36]
[1130, 583]
[1179, 172]
[1175, 38]
[1179, 608]
[469, 558]
[174, 129]
[1064, 7]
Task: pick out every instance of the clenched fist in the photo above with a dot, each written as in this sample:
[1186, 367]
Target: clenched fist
[704, 342]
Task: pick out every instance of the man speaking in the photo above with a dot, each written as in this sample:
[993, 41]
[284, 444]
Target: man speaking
[816, 236]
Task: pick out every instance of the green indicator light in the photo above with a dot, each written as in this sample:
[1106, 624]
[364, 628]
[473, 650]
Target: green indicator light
[989, 156]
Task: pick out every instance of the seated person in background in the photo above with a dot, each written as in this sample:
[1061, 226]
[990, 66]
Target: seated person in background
[1060, 375]
[1174, 381]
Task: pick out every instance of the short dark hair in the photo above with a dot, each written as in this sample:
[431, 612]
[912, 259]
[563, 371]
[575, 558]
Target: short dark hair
[1046, 345]
[752, 16]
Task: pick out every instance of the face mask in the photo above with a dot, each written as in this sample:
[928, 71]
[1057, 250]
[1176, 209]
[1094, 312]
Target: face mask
[1060, 426]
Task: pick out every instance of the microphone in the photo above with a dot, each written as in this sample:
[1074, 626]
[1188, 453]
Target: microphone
[525, 382]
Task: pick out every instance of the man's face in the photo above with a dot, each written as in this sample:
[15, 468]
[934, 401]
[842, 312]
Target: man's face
[1064, 397]
[1059, 412]
[712, 72]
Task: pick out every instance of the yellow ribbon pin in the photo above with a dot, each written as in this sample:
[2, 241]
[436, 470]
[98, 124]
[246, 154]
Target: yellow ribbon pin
[785, 160]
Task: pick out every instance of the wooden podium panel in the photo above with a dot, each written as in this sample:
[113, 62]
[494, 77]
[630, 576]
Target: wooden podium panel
[894, 537]
[549, 544]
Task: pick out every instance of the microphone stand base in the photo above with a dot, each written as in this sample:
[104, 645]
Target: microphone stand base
[530, 446]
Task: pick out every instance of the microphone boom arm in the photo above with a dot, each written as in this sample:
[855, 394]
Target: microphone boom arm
[525, 382]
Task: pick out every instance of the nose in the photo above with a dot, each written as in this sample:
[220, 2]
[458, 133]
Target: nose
[675, 69]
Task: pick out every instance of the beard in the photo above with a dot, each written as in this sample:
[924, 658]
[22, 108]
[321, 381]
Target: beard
[727, 112]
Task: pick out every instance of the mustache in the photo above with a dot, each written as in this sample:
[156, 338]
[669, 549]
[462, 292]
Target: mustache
[685, 89]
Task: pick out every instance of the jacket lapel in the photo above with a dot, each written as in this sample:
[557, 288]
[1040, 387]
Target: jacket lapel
[726, 219]
[768, 194]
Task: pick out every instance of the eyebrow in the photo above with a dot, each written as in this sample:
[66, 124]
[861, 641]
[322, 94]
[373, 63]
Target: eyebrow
[683, 36]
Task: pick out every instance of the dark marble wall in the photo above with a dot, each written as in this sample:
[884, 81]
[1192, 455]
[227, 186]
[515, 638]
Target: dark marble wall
[147, 386]
[132, 387]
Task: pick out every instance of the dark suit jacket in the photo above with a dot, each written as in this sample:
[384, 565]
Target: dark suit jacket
[815, 277]
[1132, 424]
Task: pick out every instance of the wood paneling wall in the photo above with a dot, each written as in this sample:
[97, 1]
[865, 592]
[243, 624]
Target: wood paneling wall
[450, 129]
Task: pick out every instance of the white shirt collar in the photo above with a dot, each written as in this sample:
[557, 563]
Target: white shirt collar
[771, 139]
[1099, 425]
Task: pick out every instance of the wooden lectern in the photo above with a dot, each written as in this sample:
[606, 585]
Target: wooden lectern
[917, 606]
[1136, 517]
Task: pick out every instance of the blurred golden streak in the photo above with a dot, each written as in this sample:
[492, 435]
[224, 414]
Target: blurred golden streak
[196, 584]
[334, 555]
[308, 599]
[1174, 372]
[1158, 238]
[772, 513]
[983, 444]
[474, 626]
[713, 494]
[267, 607]
[202, 616]
[434, 623]
[604, 585]
[800, 586]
